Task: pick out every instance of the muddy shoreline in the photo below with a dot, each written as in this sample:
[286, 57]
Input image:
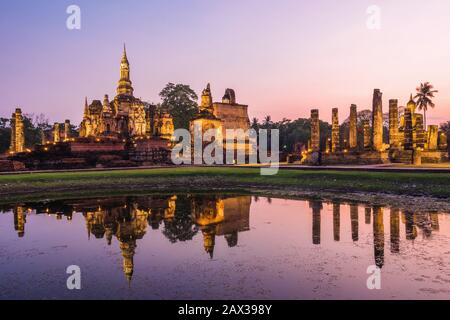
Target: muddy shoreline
[413, 203]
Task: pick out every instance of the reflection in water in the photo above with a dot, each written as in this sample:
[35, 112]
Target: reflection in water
[316, 207]
[212, 216]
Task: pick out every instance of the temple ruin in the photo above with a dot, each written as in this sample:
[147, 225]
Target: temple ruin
[407, 141]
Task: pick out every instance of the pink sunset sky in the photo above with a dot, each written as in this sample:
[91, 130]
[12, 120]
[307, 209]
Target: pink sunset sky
[283, 58]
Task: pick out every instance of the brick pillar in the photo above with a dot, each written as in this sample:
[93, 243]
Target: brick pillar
[56, 133]
[367, 132]
[67, 130]
[377, 120]
[19, 132]
[419, 138]
[393, 123]
[432, 137]
[315, 131]
[353, 133]
[408, 140]
[335, 136]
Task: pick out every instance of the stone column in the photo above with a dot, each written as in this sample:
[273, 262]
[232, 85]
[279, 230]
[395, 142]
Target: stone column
[353, 134]
[315, 131]
[366, 130]
[432, 138]
[67, 130]
[393, 123]
[17, 132]
[442, 145]
[377, 120]
[408, 139]
[335, 136]
[56, 133]
[420, 138]
[20, 132]
[12, 146]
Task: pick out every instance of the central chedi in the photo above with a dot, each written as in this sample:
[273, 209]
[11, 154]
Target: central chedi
[125, 116]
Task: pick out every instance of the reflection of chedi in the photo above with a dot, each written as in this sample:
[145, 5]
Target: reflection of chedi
[221, 216]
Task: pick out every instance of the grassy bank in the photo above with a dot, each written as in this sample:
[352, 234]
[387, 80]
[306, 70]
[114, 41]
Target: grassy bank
[55, 185]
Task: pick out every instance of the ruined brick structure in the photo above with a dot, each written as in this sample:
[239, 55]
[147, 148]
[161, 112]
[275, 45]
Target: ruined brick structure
[17, 144]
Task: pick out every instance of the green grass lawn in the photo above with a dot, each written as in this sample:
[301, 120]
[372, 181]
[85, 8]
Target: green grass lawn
[182, 179]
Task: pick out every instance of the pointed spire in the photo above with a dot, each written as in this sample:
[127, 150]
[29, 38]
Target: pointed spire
[124, 55]
[86, 107]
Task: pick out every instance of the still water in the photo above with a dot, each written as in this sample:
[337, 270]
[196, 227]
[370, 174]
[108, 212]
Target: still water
[221, 247]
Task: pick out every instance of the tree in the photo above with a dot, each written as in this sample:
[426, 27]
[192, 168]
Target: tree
[5, 135]
[424, 96]
[181, 102]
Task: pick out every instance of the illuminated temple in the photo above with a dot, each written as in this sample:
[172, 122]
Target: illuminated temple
[125, 115]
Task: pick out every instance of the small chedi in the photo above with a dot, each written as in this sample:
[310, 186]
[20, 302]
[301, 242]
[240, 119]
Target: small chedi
[407, 140]
[222, 116]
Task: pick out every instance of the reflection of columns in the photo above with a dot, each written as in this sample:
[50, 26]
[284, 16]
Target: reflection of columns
[337, 221]
[19, 220]
[354, 219]
[378, 236]
[368, 213]
[316, 207]
[395, 230]
[411, 231]
[434, 221]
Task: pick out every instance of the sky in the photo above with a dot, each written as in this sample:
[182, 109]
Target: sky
[283, 57]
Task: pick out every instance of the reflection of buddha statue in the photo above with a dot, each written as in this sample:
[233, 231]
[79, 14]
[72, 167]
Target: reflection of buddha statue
[19, 220]
[395, 230]
[378, 236]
